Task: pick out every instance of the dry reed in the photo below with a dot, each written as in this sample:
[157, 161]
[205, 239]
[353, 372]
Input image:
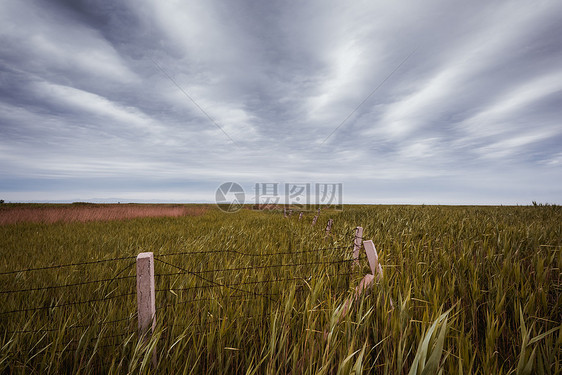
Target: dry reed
[94, 212]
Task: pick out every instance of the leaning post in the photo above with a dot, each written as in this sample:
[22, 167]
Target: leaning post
[376, 267]
[373, 258]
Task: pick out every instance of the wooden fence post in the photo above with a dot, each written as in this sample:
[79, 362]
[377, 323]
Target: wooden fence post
[329, 226]
[357, 245]
[146, 303]
[316, 217]
[376, 267]
[373, 257]
[368, 280]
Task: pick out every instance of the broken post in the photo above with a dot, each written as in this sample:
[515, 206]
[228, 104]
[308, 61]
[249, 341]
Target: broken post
[357, 245]
[368, 280]
[146, 294]
[373, 257]
[376, 267]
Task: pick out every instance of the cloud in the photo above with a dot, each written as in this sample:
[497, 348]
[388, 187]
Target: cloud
[105, 91]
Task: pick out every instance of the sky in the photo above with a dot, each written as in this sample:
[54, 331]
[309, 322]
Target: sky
[435, 102]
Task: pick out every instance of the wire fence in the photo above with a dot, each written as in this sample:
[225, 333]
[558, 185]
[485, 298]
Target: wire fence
[182, 271]
[90, 262]
[115, 278]
[118, 287]
[267, 254]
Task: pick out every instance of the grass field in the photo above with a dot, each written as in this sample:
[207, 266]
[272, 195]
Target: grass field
[466, 290]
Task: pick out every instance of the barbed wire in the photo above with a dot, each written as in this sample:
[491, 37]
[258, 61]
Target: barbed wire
[208, 280]
[170, 254]
[213, 284]
[259, 267]
[229, 285]
[184, 271]
[250, 254]
[66, 265]
[116, 277]
[236, 296]
[267, 281]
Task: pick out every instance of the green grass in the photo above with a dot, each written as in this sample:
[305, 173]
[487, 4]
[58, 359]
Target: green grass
[474, 290]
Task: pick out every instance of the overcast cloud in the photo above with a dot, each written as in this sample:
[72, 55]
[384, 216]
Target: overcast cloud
[403, 102]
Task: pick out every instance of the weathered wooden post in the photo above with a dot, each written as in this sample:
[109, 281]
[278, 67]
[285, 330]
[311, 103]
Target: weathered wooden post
[329, 226]
[146, 301]
[357, 245]
[316, 217]
[369, 279]
[376, 267]
[300, 216]
[373, 257]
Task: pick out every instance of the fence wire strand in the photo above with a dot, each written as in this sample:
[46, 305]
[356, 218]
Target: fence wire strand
[237, 296]
[198, 274]
[250, 254]
[211, 281]
[66, 265]
[260, 267]
[115, 278]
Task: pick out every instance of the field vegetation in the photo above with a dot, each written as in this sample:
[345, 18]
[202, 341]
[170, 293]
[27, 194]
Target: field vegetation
[466, 290]
[80, 211]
